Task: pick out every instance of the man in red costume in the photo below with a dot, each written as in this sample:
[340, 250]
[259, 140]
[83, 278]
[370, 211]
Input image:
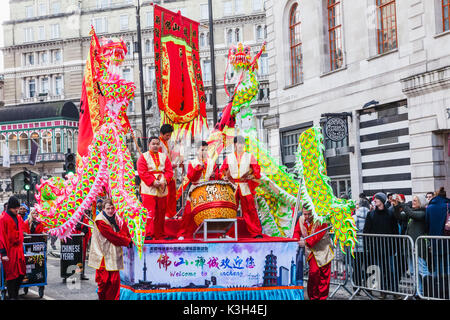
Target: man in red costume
[168, 148]
[155, 171]
[11, 247]
[318, 253]
[242, 169]
[200, 169]
[109, 235]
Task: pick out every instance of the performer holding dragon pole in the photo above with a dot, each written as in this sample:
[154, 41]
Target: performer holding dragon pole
[200, 169]
[155, 171]
[242, 169]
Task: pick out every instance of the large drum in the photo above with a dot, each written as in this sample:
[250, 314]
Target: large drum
[213, 200]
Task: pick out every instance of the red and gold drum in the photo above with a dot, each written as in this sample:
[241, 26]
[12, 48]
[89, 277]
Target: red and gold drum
[213, 200]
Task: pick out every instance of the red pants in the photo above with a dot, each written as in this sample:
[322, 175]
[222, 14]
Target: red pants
[188, 225]
[249, 213]
[318, 280]
[171, 200]
[156, 208]
[108, 284]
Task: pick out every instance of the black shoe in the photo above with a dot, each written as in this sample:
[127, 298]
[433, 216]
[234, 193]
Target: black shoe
[258, 236]
[168, 238]
[148, 238]
[83, 277]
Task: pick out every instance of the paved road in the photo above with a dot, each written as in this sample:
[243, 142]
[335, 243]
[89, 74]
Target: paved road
[57, 290]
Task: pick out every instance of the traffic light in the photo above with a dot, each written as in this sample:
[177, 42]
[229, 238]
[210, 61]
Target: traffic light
[27, 184]
[70, 163]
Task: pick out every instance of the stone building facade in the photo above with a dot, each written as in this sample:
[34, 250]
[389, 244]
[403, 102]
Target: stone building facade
[384, 65]
[47, 43]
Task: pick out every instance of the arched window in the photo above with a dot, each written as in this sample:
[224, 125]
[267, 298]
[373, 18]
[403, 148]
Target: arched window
[12, 144]
[148, 46]
[230, 36]
[2, 142]
[238, 35]
[259, 33]
[47, 142]
[295, 45]
[202, 40]
[23, 144]
[58, 142]
[69, 141]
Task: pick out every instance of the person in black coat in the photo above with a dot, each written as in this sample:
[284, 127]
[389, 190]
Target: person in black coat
[381, 250]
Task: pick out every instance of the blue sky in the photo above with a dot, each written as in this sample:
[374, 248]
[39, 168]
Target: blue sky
[4, 15]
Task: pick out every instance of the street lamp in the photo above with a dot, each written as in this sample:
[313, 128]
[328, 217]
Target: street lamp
[141, 73]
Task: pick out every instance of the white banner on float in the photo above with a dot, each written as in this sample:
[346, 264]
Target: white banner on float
[210, 265]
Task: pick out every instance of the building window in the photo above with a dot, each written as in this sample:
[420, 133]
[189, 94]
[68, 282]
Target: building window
[335, 34]
[148, 46]
[387, 25]
[55, 31]
[47, 142]
[12, 144]
[43, 56]
[127, 74]
[42, 9]
[237, 33]
[206, 70]
[29, 59]
[58, 142]
[56, 54]
[124, 22]
[58, 86]
[227, 8]
[239, 6]
[149, 18]
[41, 32]
[229, 37]
[56, 7]
[102, 3]
[295, 46]
[31, 88]
[257, 5]
[289, 145]
[29, 34]
[446, 15]
[151, 75]
[44, 85]
[29, 12]
[100, 25]
[259, 33]
[264, 65]
[23, 144]
[204, 11]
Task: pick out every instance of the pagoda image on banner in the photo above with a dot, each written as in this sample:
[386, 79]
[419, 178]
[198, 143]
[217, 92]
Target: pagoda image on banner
[270, 270]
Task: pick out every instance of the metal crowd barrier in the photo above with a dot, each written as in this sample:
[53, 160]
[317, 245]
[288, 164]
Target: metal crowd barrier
[393, 265]
[384, 264]
[433, 267]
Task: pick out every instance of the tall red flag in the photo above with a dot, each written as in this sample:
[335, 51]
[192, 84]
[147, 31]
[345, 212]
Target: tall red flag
[180, 90]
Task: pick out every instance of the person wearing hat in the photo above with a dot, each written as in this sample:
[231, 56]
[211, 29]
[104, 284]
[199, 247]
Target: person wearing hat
[11, 247]
[318, 253]
[24, 211]
[381, 221]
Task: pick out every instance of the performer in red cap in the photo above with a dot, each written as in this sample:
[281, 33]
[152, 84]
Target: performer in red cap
[242, 169]
[155, 171]
[109, 235]
[318, 253]
[11, 247]
[200, 169]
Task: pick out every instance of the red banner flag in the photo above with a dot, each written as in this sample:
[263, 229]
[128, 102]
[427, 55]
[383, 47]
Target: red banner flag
[180, 90]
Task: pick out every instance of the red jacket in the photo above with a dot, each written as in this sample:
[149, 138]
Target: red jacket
[11, 245]
[39, 228]
[194, 174]
[149, 177]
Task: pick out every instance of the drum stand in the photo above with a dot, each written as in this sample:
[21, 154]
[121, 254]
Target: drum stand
[214, 226]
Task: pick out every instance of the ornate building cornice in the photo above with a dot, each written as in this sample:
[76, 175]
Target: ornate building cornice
[426, 82]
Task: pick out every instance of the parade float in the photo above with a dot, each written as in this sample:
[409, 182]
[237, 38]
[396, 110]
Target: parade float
[231, 267]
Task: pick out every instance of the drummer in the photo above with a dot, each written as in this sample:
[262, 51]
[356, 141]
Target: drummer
[241, 168]
[200, 169]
